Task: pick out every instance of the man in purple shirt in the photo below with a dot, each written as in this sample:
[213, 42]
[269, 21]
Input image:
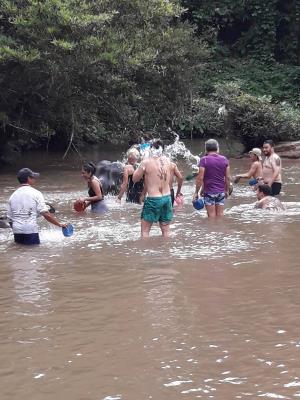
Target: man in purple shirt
[213, 179]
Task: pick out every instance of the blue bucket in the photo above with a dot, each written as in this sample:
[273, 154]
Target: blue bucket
[253, 182]
[68, 230]
[198, 204]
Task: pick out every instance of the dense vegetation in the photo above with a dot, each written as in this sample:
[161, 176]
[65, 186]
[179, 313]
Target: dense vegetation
[75, 71]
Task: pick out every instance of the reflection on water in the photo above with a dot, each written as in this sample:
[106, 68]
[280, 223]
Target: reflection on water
[211, 313]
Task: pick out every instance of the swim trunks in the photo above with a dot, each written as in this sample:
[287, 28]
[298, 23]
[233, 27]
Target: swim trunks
[158, 209]
[217, 199]
[276, 188]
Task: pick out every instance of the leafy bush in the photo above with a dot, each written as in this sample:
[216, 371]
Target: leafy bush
[252, 119]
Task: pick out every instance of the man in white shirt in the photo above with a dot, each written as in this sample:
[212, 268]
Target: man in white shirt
[272, 168]
[24, 207]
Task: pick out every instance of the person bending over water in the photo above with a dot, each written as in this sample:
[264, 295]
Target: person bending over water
[255, 170]
[95, 191]
[134, 190]
[156, 171]
[265, 199]
[213, 179]
[24, 207]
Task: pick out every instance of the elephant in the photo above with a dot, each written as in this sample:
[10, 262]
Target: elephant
[110, 175]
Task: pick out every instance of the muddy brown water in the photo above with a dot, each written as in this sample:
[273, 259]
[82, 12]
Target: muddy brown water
[211, 313]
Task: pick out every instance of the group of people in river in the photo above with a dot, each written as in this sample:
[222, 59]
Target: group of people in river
[148, 179]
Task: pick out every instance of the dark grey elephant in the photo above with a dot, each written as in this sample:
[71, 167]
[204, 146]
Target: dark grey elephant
[110, 175]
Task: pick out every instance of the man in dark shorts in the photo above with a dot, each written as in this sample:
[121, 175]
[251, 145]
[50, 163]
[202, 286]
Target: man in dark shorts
[156, 170]
[24, 207]
[272, 168]
[213, 179]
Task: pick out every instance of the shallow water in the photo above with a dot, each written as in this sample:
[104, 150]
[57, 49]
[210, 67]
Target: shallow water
[211, 313]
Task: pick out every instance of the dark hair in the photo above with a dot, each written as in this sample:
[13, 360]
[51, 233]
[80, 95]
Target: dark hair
[157, 144]
[23, 179]
[89, 167]
[265, 189]
[270, 142]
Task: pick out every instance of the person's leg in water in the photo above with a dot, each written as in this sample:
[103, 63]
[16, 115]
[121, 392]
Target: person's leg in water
[209, 202]
[165, 229]
[219, 204]
[211, 210]
[145, 228]
[219, 210]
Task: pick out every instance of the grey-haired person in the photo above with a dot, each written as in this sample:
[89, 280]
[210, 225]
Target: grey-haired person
[213, 179]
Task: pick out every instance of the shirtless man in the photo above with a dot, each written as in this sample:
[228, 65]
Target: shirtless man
[134, 190]
[156, 171]
[255, 170]
[175, 173]
[265, 199]
[272, 168]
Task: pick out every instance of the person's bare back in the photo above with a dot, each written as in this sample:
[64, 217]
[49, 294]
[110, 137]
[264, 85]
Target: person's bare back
[157, 173]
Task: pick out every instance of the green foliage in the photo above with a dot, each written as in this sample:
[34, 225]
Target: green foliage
[93, 70]
[280, 82]
[265, 30]
[250, 118]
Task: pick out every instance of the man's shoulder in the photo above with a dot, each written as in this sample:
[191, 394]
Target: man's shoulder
[276, 156]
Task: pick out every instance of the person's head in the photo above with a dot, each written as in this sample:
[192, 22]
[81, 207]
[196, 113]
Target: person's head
[255, 154]
[211, 145]
[27, 176]
[133, 156]
[157, 148]
[88, 170]
[268, 147]
[263, 191]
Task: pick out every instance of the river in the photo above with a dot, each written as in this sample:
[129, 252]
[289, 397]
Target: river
[211, 313]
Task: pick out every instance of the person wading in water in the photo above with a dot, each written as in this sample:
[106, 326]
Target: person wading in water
[134, 190]
[95, 191]
[213, 179]
[156, 171]
[255, 170]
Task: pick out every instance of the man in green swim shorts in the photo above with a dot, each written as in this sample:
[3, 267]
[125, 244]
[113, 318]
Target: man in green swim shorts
[156, 171]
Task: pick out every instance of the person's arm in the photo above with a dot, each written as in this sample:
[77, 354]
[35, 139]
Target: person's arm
[179, 179]
[248, 174]
[199, 182]
[139, 172]
[50, 218]
[8, 212]
[227, 180]
[259, 203]
[95, 185]
[124, 184]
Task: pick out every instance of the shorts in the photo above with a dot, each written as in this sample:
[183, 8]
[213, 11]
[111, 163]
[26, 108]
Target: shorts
[27, 238]
[216, 199]
[276, 188]
[158, 209]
